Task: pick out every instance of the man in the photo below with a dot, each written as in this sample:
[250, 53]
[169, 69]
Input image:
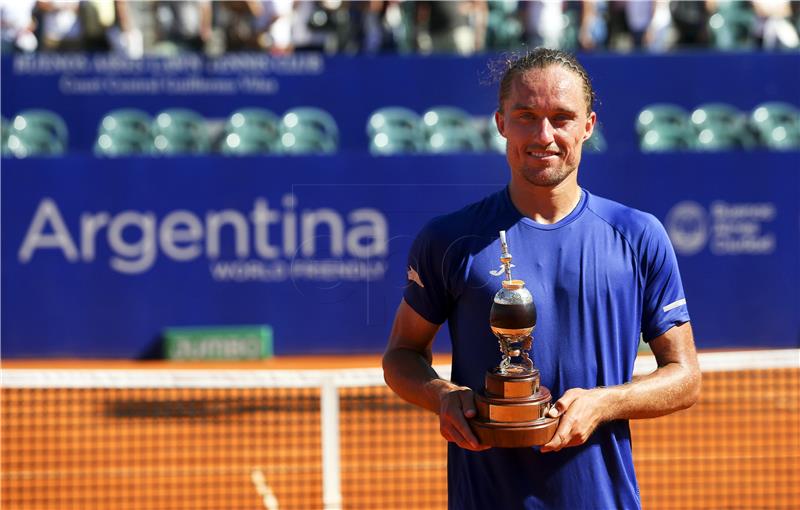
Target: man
[601, 275]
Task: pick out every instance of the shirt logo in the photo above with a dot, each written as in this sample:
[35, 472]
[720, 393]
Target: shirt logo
[414, 277]
[501, 271]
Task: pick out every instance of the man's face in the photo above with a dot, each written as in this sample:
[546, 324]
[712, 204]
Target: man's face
[545, 123]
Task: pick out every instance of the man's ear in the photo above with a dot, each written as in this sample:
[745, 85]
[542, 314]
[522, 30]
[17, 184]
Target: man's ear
[591, 120]
[499, 121]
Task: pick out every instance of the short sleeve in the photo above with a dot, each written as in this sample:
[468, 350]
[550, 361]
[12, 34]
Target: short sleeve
[426, 289]
[664, 303]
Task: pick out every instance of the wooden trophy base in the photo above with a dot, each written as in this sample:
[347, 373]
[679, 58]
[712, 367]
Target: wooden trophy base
[512, 412]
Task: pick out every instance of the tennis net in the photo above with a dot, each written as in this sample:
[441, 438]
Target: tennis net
[181, 439]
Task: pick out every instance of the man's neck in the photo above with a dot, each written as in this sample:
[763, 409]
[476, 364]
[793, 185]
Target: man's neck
[546, 205]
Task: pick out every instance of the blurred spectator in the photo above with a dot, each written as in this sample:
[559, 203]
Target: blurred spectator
[97, 17]
[640, 24]
[465, 27]
[593, 32]
[278, 16]
[451, 27]
[690, 20]
[774, 28]
[183, 24]
[544, 23]
[59, 25]
[17, 26]
[243, 25]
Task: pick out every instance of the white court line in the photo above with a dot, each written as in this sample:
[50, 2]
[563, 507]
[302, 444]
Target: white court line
[264, 490]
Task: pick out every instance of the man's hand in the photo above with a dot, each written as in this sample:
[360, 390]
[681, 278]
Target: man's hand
[581, 412]
[457, 405]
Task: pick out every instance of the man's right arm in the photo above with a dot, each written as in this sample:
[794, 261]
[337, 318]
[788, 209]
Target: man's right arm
[408, 372]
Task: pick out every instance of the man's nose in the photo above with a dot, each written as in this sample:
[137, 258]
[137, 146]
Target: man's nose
[543, 132]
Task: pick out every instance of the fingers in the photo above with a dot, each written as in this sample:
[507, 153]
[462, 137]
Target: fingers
[560, 439]
[467, 403]
[570, 430]
[456, 407]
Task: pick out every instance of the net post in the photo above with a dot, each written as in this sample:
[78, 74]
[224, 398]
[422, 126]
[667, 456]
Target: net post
[331, 461]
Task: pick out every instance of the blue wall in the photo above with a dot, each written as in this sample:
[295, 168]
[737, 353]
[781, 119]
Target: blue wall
[734, 217]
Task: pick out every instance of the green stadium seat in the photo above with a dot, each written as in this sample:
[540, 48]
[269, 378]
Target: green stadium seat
[253, 120]
[176, 145]
[732, 27]
[180, 131]
[445, 117]
[398, 141]
[125, 119]
[659, 116]
[395, 130]
[666, 138]
[4, 131]
[713, 140]
[308, 142]
[41, 120]
[393, 118]
[720, 126]
[34, 140]
[308, 123]
[766, 117]
[494, 141]
[123, 141]
[714, 114]
[454, 139]
[250, 131]
[782, 138]
[124, 132]
[247, 142]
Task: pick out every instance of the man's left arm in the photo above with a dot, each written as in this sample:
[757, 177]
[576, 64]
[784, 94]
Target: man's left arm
[673, 386]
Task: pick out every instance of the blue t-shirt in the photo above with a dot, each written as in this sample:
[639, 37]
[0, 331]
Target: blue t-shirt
[600, 278]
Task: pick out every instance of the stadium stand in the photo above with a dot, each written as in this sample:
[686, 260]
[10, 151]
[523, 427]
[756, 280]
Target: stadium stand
[777, 125]
[3, 135]
[37, 132]
[250, 131]
[180, 131]
[721, 126]
[306, 130]
[124, 132]
[718, 127]
[451, 139]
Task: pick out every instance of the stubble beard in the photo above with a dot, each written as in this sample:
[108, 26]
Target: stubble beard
[548, 178]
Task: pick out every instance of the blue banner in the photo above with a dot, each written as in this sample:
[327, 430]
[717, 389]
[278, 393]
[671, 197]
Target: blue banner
[82, 88]
[99, 256]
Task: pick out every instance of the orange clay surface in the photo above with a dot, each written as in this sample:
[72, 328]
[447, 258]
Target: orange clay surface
[739, 447]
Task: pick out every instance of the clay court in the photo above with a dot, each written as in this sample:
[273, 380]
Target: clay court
[238, 448]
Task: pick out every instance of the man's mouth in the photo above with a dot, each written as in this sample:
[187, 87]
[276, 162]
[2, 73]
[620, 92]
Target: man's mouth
[542, 154]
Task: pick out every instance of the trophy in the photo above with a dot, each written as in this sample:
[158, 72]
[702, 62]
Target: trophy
[512, 410]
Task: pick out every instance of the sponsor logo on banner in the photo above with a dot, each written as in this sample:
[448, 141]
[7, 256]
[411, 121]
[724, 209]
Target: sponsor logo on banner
[262, 244]
[725, 228]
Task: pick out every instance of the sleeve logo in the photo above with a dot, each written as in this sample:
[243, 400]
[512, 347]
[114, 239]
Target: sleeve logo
[414, 276]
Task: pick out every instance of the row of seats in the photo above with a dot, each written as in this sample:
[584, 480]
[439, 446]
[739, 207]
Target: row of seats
[246, 131]
[443, 129]
[390, 130]
[665, 127]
